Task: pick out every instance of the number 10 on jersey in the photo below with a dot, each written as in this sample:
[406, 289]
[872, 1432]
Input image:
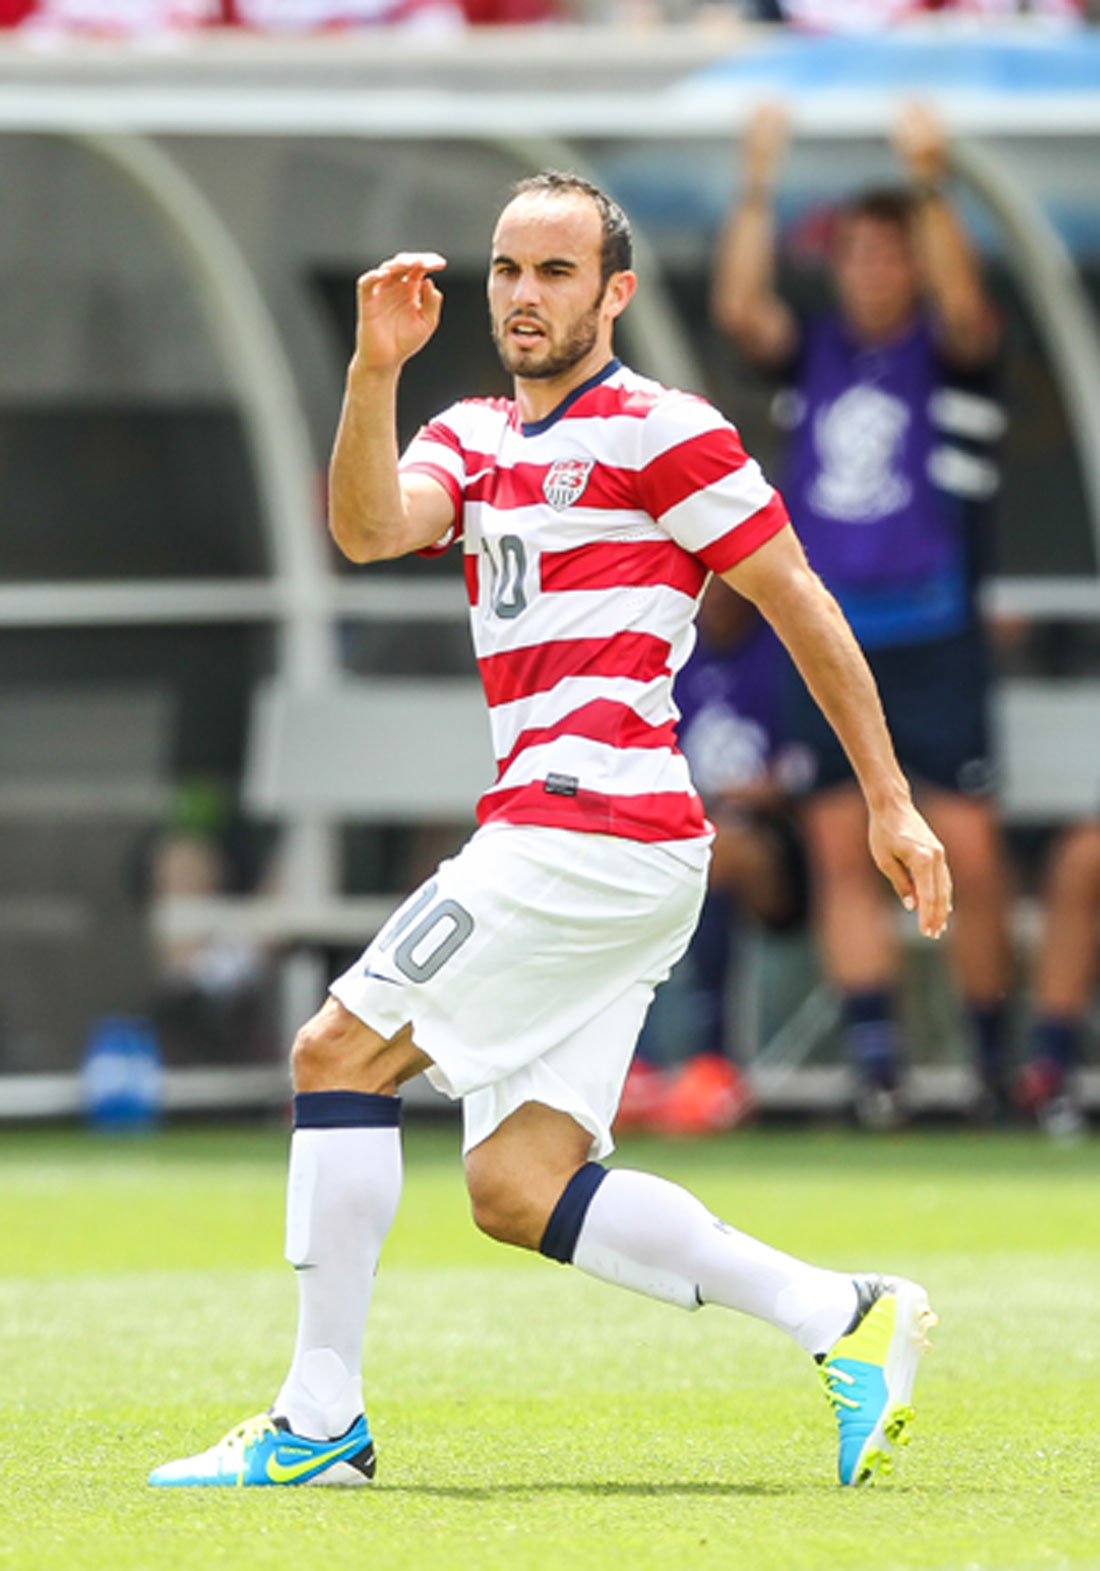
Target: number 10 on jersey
[507, 558]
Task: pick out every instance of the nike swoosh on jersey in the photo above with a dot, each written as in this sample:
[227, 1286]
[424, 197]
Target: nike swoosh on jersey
[280, 1473]
[378, 977]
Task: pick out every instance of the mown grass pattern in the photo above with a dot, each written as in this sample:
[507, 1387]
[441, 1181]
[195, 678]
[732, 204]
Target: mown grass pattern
[527, 1417]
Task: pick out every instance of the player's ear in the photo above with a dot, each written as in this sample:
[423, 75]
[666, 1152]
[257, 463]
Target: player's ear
[619, 292]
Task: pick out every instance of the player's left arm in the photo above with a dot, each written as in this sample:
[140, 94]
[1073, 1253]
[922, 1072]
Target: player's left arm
[967, 325]
[779, 580]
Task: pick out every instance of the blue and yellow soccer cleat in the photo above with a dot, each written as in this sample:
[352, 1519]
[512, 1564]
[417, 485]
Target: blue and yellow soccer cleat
[264, 1450]
[868, 1375]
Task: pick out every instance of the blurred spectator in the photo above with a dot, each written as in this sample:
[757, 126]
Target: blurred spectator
[731, 699]
[108, 18]
[149, 19]
[304, 16]
[889, 472]
[212, 996]
[866, 16]
[832, 16]
[996, 10]
[1065, 980]
[513, 13]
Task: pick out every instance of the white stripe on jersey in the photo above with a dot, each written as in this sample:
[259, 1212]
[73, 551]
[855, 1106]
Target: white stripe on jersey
[650, 701]
[729, 504]
[624, 771]
[562, 531]
[593, 613]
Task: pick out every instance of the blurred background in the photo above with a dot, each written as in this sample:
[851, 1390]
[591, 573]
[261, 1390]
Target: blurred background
[224, 754]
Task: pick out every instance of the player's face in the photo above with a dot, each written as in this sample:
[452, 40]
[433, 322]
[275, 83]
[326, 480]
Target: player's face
[550, 313]
[876, 273]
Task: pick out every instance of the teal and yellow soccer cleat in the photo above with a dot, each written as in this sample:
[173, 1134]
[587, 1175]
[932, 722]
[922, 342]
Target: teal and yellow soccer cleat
[264, 1450]
[868, 1375]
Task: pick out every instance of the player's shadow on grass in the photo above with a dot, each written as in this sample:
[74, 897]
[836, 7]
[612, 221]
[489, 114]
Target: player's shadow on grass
[702, 1488]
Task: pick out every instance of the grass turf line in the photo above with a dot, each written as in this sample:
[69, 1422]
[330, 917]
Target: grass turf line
[529, 1417]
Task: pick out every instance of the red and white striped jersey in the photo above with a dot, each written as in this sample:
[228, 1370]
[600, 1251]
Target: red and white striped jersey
[588, 538]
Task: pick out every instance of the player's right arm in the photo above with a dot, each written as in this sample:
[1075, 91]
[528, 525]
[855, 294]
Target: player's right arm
[744, 300]
[374, 511]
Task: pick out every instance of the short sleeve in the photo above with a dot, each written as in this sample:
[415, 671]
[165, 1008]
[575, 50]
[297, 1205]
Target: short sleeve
[697, 481]
[437, 450]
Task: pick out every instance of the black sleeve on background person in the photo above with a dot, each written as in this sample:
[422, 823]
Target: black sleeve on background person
[982, 379]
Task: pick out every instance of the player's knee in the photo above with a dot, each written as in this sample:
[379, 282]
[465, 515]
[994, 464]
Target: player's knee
[501, 1212]
[328, 1049]
[312, 1052]
[497, 1220]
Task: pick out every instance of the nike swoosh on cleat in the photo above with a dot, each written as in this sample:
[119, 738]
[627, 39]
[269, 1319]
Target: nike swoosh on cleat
[280, 1474]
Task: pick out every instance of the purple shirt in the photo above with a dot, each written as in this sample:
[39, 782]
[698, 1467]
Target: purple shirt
[731, 706]
[878, 484]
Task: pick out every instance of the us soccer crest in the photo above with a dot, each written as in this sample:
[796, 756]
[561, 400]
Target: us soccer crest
[565, 481]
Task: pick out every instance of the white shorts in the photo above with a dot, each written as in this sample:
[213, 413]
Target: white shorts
[526, 966]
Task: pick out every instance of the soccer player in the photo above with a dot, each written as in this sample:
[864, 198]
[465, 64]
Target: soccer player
[592, 508]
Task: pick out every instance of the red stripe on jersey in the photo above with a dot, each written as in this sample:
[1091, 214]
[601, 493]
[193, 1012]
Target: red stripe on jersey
[469, 569]
[519, 673]
[604, 400]
[741, 542]
[618, 565]
[436, 431]
[520, 485]
[424, 466]
[689, 467]
[657, 815]
[503, 406]
[603, 720]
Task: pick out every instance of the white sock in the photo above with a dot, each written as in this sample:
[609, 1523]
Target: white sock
[342, 1194]
[644, 1233]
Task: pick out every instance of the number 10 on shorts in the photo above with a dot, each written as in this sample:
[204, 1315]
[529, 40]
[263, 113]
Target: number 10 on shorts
[428, 943]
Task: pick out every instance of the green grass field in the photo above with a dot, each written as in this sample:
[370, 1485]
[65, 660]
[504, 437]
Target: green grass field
[529, 1417]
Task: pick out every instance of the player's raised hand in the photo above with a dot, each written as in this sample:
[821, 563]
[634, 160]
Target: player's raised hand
[399, 308]
[912, 858]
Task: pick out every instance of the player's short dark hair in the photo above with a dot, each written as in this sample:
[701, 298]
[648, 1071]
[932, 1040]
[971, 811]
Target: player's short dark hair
[617, 244]
[883, 205]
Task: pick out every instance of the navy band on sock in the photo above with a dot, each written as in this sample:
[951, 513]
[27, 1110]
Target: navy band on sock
[873, 1036]
[868, 1006]
[990, 1025]
[563, 1229]
[346, 1110]
[1057, 1037]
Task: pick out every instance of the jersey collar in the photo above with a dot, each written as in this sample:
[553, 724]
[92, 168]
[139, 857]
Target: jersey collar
[537, 427]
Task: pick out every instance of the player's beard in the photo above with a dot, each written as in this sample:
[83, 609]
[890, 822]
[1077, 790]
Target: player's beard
[558, 359]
